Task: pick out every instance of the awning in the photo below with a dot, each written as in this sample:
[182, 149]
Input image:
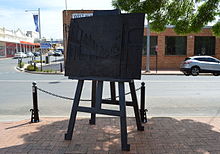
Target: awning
[29, 43]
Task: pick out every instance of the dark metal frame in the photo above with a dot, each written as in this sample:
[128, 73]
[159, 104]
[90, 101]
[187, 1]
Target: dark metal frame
[97, 88]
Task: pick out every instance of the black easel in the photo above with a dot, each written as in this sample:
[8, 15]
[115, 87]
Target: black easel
[97, 88]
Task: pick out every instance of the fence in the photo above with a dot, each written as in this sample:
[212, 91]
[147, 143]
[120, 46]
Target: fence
[35, 114]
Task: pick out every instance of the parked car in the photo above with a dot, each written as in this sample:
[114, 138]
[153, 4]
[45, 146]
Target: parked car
[50, 53]
[200, 64]
[20, 55]
[30, 54]
[57, 53]
[36, 54]
[61, 50]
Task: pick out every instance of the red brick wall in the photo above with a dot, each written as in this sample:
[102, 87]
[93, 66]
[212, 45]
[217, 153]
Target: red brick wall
[173, 62]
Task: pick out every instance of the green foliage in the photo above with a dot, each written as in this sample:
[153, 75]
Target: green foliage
[48, 71]
[206, 13]
[126, 5]
[186, 15]
[31, 68]
[216, 29]
[39, 61]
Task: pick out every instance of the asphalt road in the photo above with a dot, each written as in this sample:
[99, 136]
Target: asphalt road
[166, 95]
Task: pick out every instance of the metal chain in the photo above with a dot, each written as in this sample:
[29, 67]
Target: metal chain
[55, 95]
[68, 98]
[125, 94]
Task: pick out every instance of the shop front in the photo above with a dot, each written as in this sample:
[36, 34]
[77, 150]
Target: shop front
[10, 49]
[2, 50]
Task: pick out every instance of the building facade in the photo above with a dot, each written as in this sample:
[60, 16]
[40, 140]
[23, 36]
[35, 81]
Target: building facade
[15, 41]
[172, 48]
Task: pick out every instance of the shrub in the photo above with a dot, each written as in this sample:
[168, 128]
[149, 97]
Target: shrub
[38, 61]
[21, 65]
[48, 71]
[31, 68]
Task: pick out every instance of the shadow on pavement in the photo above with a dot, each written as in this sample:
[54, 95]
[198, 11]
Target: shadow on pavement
[161, 135]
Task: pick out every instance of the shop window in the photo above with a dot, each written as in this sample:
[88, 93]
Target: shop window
[175, 45]
[153, 44]
[2, 51]
[204, 45]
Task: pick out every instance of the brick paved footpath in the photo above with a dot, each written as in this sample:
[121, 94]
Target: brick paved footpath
[161, 135]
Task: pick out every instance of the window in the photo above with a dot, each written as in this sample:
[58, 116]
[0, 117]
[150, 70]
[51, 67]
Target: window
[2, 51]
[175, 45]
[153, 44]
[212, 60]
[204, 45]
[207, 60]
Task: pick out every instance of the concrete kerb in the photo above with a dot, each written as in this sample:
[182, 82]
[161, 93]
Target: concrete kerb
[159, 72]
[23, 69]
[178, 73]
[162, 72]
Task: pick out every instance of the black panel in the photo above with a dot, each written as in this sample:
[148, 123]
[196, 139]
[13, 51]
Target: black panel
[105, 47]
[106, 12]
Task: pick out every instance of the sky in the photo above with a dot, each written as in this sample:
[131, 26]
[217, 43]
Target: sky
[13, 15]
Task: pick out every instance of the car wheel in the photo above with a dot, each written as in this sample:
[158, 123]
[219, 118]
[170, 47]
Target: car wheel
[195, 71]
[216, 74]
[186, 74]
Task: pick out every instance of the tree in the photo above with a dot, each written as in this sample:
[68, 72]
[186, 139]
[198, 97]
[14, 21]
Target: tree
[186, 15]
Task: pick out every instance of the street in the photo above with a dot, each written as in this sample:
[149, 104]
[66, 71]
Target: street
[166, 95]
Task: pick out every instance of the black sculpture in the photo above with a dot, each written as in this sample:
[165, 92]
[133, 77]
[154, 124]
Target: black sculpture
[105, 48]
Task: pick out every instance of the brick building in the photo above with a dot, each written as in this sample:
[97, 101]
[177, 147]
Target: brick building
[172, 48]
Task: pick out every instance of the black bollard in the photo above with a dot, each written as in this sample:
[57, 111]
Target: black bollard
[34, 111]
[19, 62]
[143, 110]
[61, 67]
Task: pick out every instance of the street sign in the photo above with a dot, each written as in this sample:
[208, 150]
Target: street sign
[45, 45]
[81, 15]
[156, 48]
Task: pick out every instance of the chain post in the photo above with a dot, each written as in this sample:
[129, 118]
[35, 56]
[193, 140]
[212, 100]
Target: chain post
[35, 66]
[143, 110]
[61, 67]
[34, 111]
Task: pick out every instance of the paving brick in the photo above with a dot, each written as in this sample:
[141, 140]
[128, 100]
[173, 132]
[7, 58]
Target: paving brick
[161, 135]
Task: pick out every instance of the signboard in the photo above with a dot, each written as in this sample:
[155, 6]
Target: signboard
[105, 47]
[81, 15]
[45, 45]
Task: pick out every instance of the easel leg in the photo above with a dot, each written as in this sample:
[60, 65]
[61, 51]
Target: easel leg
[93, 115]
[123, 122]
[68, 135]
[112, 90]
[135, 106]
[99, 95]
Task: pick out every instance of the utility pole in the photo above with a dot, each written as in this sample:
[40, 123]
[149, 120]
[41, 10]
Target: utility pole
[148, 48]
[39, 23]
